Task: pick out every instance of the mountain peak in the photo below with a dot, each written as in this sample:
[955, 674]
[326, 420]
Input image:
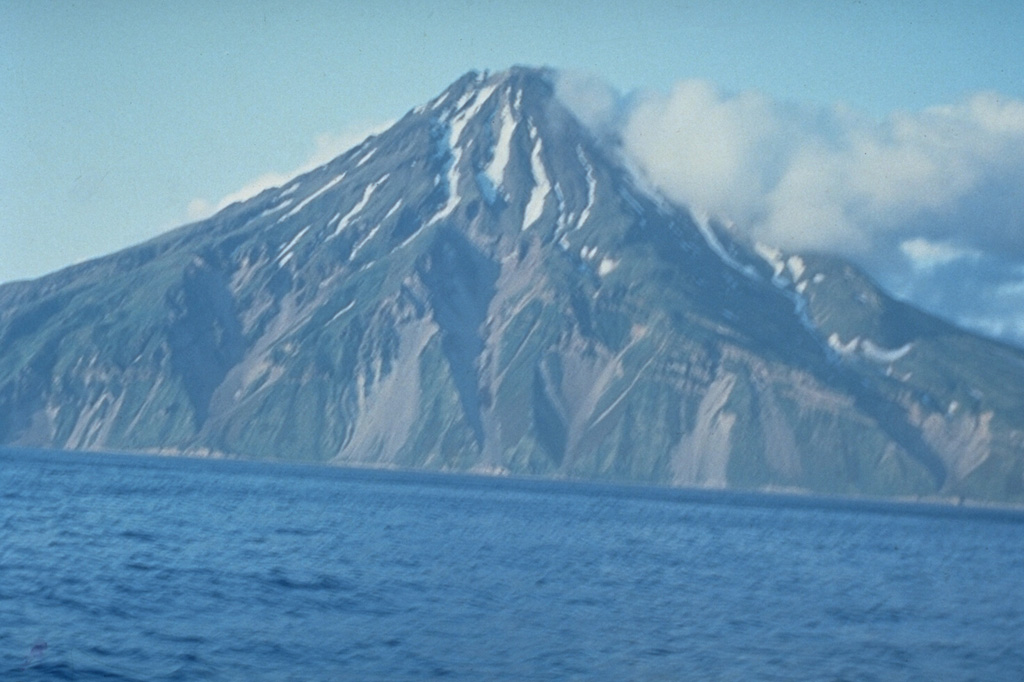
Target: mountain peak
[527, 90]
[484, 287]
[517, 77]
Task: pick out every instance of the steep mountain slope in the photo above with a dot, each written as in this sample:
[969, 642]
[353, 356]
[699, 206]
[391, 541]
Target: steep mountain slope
[484, 288]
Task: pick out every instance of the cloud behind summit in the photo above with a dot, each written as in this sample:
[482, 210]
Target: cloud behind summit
[930, 202]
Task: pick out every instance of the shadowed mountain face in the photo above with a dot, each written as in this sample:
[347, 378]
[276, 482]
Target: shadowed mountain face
[484, 288]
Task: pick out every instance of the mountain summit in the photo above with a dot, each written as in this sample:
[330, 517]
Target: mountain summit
[485, 287]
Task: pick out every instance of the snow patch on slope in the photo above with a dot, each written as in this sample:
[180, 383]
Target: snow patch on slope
[456, 126]
[774, 258]
[868, 349]
[591, 187]
[274, 209]
[703, 221]
[366, 157]
[607, 266]
[877, 353]
[453, 188]
[341, 312]
[362, 242]
[836, 344]
[370, 235]
[311, 197]
[796, 267]
[495, 171]
[781, 264]
[459, 122]
[541, 186]
[360, 205]
[391, 211]
[286, 251]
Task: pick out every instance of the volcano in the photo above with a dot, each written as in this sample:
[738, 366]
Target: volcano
[487, 287]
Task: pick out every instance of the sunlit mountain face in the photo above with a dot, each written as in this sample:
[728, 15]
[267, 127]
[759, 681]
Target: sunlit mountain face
[485, 287]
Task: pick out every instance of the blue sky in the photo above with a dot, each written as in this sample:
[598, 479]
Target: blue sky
[119, 120]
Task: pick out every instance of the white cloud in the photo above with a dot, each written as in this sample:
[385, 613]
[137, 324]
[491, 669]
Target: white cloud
[803, 178]
[938, 190]
[198, 209]
[703, 149]
[926, 255]
[326, 147]
[591, 99]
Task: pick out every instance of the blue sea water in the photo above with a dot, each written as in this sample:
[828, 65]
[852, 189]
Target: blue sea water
[132, 568]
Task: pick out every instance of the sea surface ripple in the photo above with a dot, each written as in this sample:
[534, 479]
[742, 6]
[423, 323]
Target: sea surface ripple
[117, 567]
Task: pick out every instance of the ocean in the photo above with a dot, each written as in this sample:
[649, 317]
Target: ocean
[118, 567]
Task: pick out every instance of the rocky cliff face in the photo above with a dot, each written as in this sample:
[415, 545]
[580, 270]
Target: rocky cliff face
[485, 288]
